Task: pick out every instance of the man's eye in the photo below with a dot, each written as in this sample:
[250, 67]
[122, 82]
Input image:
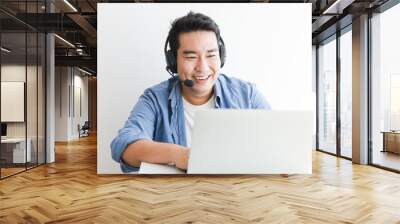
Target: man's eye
[210, 56]
[190, 57]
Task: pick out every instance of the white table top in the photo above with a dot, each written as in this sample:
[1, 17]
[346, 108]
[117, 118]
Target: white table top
[151, 168]
[13, 140]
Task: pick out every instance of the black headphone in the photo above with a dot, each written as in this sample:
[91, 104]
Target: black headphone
[170, 56]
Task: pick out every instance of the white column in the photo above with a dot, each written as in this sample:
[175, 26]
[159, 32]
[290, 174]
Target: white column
[50, 92]
[50, 100]
[360, 90]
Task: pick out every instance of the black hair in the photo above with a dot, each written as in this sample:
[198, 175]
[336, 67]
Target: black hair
[188, 23]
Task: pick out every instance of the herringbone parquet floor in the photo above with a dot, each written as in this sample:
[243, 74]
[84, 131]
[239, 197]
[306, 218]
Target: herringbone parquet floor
[70, 191]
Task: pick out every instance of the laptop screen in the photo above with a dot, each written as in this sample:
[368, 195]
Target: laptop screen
[3, 129]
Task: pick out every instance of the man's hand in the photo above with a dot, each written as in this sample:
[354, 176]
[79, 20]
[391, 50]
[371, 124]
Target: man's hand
[156, 152]
[181, 158]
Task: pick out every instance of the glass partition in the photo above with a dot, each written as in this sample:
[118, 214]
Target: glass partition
[31, 100]
[22, 63]
[13, 109]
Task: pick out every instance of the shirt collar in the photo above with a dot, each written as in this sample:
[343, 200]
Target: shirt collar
[217, 92]
[175, 91]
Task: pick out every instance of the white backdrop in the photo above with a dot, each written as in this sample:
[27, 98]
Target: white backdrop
[268, 44]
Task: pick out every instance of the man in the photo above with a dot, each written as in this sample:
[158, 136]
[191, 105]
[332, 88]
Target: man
[159, 127]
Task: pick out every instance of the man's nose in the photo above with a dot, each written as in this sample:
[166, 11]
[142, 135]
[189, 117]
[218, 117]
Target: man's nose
[202, 65]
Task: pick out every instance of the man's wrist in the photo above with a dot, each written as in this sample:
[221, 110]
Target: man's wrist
[174, 154]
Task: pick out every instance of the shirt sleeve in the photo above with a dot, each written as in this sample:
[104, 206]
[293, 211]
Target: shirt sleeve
[258, 101]
[140, 125]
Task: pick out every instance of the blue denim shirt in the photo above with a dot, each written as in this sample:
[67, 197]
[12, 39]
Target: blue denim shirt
[158, 114]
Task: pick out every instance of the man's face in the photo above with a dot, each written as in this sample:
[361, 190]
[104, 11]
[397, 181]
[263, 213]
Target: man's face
[198, 60]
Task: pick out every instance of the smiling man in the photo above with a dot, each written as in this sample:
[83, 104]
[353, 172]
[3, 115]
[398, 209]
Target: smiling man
[159, 127]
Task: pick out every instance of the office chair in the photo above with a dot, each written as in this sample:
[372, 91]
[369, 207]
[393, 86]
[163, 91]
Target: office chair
[84, 130]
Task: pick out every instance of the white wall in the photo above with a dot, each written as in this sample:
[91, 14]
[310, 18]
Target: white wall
[17, 73]
[268, 44]
[80, 83]
[68, 81]
[12, 73]
[61, 103]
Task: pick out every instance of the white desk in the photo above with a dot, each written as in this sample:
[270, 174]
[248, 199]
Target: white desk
[18, 150]
[151, 168]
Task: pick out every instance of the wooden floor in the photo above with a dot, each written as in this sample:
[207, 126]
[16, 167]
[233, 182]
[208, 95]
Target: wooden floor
[70, 191]
[5, 172]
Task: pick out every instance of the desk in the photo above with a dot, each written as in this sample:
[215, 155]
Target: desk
[13, 150]
[391, 141]
[151, 168]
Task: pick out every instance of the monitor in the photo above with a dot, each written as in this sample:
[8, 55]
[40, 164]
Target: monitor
[3, 129]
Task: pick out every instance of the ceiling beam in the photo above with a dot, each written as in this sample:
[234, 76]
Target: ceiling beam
[85, 25]
[85, 61]
[337, 7]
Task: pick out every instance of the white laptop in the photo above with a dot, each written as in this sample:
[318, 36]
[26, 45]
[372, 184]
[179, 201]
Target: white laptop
[247, 142]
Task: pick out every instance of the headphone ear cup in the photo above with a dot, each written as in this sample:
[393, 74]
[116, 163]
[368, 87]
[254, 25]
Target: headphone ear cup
[222, 53]
[171, 61]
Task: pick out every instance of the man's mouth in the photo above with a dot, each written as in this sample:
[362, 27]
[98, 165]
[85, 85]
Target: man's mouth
[200, 78]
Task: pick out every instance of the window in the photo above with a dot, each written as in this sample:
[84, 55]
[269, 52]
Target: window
[346, 93]
[385, 89]
[327, 96]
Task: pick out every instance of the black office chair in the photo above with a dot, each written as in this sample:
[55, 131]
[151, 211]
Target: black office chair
[84, 130]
